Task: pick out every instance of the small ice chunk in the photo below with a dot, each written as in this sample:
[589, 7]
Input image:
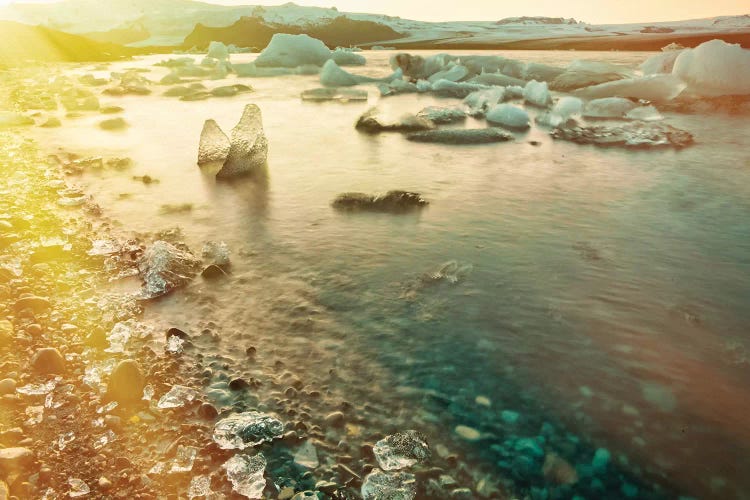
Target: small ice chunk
[344, 57]
[64, 439]
[291, 51]
[481, 101]
[244, 430]
[77, 488]
[537, 94]
[379, 485]
[333, 76]
[447, 88]
[249, 147]
[200, 486]
[216, 253]
[37, 389]
[247, 474]
[184, 459]
[214, 143]
[35, 414]
[657, 88]
[307, 456]
[455, 73]
[178, 396]
[715, 68]
[164, 267]
[508, 115]
[174, 345]
[496, 79]
[608, 107]
[567, 107]
[217, 50]
[644, 113]
[584, 73]
[401, 450]
[442, 116]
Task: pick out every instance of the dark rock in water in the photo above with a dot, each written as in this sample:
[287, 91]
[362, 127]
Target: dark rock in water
[238, 384]
[392, 201]
[164, 267]
[637, 135]
[48, 360]
[113, 124]
[126, 382]
[213, 272]
[207, 411]
[372, 123]
[461, 136]
[176, 332]
[111, 110]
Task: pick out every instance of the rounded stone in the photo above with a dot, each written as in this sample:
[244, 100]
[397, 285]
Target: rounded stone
[335, 419]
[48, 360]
[7, 386]
[126, 382]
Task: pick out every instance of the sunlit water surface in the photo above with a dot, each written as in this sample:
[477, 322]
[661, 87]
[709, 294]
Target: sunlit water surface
[604, 290]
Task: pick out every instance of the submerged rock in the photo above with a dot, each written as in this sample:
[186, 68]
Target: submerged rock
[334, 94]
[214, 144]
[379, 485]
[629, 135]
[441, 116]
[48, 361]
[248, 150]
[126, 382]
[245, 430]
[461, 136]
[373, 123]
[401, 450]
[164, 267]
[392, 201]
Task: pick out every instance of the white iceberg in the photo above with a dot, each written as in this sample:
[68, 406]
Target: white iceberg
[217, 50]
[214, 144]
[715, 68]
[248, 151]
[508, 116]
[290, 51]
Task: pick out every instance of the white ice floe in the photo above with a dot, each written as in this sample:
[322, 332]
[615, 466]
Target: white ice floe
[715, 68]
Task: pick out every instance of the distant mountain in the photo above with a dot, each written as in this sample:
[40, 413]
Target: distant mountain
[185, 22]
[256, 32]
[21, 43]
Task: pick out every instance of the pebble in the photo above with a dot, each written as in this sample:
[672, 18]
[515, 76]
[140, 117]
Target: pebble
[483, 401]
[468, 433]
[286, 493]
[48, 360]
[335, 419]
[6, 332]
[207, 411]
[4, 491]
[104, 483]
[37, 304]
[7, 386]
[15, 459]
[126, 382]
[510, 417]
[600, 460]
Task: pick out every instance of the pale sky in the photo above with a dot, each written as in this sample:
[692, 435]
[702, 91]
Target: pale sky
[592, 11]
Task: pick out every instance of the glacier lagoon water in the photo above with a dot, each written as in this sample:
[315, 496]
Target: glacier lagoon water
[601, 293]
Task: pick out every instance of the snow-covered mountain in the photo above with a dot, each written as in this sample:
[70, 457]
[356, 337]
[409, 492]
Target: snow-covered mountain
[169, 22]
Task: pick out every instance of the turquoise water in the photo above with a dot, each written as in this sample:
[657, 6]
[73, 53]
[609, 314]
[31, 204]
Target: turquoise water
[601, 294]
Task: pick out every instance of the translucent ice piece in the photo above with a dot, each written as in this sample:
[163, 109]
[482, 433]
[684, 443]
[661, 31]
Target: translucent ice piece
[214, 144]
[401, 450]
[249, 147]
[177, 396]
[246, 474]
[244, 430]
[77, 488]
[391, 485]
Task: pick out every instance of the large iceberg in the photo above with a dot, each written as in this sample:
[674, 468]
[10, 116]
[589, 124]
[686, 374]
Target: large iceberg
[214, 144]
[657, 88]
[290, 51]
[508, 116]
[249, 147]
[715, 68]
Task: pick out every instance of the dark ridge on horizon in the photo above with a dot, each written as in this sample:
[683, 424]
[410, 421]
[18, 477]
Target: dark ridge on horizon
[254, 32]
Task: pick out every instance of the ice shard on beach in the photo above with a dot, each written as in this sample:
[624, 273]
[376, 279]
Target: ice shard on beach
[248, 150]
[164, 267]
[246, 473]
[245, 430]
[214, 144]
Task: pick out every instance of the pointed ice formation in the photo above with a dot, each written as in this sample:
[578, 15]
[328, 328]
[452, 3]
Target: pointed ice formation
[249, 147]
[214, 144]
